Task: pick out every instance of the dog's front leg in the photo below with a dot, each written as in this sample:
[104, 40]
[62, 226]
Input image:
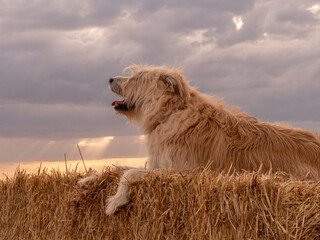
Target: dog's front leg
[92, 178]
[121, 197]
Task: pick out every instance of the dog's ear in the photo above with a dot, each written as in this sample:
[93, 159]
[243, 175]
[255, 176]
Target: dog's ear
[173, 84]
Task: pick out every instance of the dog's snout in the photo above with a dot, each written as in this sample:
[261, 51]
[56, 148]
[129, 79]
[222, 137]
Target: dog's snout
[111, 80]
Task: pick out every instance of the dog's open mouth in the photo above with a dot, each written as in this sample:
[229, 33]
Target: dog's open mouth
[120, 105]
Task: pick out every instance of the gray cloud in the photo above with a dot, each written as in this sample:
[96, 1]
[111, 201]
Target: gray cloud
[53, 15]
[61, 121]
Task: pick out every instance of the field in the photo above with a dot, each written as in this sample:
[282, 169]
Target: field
[164, 205]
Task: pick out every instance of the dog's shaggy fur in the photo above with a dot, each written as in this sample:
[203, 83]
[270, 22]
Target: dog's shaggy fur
[186, 129]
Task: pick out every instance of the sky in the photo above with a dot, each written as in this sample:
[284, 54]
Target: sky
[56, 57]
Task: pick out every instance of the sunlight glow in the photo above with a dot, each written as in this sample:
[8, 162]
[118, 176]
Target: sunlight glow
[238, 22]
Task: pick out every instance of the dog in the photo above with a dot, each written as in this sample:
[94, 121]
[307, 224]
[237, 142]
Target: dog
[186, 130]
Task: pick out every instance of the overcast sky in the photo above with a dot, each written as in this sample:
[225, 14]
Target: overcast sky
[56, 57]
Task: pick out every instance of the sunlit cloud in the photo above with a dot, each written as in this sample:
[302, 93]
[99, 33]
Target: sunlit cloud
[142, 137]
[94, 148]
[196, 36]
[86, 35]
[314, 9]
[96, 142]
[237, 20]
[82, 143]
[125, 14]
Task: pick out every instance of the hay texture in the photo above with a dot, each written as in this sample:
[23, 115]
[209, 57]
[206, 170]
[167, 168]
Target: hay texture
[164, 205]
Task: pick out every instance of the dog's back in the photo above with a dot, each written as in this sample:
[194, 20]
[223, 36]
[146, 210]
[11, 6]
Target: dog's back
[205, 133]
[276, 147]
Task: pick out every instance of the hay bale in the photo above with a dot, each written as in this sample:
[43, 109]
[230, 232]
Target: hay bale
[164, 205]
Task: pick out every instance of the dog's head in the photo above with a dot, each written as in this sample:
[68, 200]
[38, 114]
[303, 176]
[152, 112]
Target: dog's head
[148, 88]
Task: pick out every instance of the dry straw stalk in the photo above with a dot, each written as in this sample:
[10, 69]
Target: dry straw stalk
[164, 205]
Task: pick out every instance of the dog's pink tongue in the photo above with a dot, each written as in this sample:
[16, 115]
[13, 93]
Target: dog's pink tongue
[117, 102]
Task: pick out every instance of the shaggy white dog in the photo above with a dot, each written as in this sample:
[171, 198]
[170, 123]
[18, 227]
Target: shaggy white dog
[186, 129]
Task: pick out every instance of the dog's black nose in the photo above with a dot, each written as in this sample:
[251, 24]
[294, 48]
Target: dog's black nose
[111, 80]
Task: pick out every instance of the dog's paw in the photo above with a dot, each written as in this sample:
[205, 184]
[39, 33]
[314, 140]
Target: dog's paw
[114, 203]
[87, 180]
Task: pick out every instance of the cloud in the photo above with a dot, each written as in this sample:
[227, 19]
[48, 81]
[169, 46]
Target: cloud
[42, 150]
[270, 74]
[61, 121]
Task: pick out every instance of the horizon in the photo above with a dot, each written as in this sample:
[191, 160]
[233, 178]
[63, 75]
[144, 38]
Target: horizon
[9, 169]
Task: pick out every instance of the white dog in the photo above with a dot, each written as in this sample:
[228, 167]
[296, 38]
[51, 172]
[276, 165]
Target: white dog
[186, 130]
